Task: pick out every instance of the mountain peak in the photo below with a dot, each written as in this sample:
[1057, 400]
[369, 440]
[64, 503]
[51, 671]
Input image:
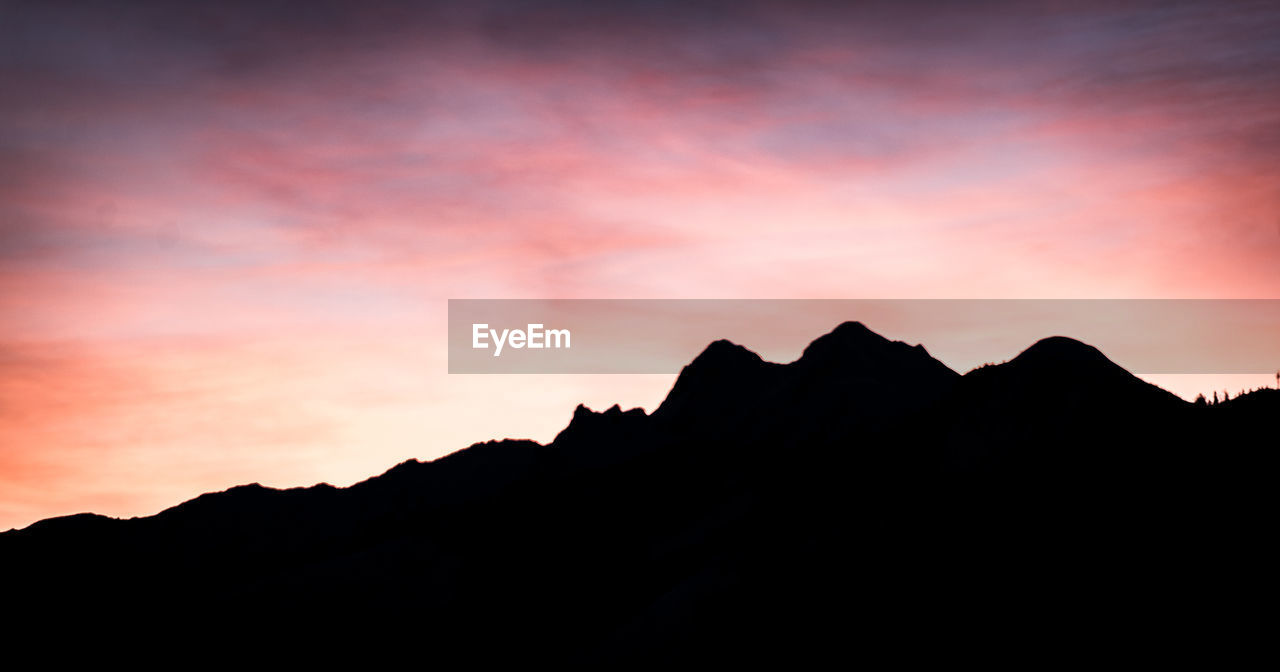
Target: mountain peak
[1063, 350]
[847, 336]
[725, 352]
[849, 333]
[853, 344]
[588, 425]
[852, 327]
[724, 371]
[584, 414]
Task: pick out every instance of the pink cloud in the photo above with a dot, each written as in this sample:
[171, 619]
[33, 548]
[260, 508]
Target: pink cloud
[241, 199]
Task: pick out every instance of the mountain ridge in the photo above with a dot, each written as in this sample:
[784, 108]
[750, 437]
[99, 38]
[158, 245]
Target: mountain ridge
[863, 488]
[720, 354]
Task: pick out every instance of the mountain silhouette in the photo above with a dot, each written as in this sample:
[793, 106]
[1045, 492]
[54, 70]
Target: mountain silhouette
[862, 498]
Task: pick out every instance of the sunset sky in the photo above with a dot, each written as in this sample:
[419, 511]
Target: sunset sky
[228, 233]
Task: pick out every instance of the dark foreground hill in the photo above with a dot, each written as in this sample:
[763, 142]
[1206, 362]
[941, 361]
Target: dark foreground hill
[862, 500]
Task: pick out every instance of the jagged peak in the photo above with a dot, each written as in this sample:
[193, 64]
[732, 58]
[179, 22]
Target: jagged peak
[721, 367]
[846, 336]
[725, 352]
[853, 343]
[586, 420]
[583, 411]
